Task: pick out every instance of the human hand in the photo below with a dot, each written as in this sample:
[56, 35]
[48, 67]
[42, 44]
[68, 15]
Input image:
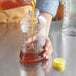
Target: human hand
[48, 49]
[47, 54]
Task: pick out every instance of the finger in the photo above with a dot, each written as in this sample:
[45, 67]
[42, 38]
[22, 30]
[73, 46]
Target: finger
[48, 44]
[48, 49]
[47, 54]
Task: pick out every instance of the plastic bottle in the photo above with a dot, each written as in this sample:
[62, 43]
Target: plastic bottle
[34, 37]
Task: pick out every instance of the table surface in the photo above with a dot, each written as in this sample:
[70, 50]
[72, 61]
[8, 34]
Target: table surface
[64, 46]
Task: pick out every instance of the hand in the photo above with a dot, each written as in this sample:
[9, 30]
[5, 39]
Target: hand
[47, 54]
[48, 49]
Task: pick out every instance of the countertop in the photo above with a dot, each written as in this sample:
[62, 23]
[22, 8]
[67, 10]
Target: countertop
[64, 46]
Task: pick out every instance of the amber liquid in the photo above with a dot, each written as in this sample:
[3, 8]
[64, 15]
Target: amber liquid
[31, 57]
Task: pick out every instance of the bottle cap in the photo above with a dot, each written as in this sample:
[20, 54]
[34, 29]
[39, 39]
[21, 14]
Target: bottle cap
[59, 64]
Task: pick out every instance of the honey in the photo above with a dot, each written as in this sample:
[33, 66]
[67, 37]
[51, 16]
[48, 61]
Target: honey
[31, 57]
[30, 53]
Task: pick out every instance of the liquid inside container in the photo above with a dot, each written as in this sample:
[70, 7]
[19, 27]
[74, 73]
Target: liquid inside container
[33, 37]
[31, 57]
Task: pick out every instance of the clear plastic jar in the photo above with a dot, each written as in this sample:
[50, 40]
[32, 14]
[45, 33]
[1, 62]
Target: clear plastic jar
[34, 37]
